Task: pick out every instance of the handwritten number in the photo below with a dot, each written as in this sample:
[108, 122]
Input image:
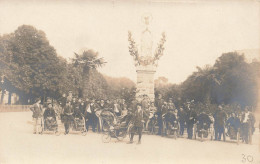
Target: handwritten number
[243, 158]
[247, 158]
[250, 158]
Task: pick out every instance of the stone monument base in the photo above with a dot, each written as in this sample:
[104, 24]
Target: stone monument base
[145, 82]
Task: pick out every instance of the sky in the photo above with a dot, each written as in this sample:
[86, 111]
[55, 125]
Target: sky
[197, 33]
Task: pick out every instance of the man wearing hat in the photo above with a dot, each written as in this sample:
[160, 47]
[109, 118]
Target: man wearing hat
[138, 123]
[68, 118]
[37, 115]
[220, 118]
[91, 118]
[159, 102]
[182, 116]
[190, 120]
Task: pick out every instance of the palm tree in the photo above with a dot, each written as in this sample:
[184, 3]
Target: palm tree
[87, 62]
[207, 78]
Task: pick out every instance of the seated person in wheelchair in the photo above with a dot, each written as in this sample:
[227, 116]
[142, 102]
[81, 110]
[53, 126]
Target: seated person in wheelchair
[171, 118]
[49, 116]
[77, 115]
[203, 122]
[233, 124]
[126, 118]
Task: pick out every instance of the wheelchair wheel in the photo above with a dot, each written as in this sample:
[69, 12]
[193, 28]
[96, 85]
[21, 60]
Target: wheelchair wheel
[121, 137]
[106, 137]
[105, 126]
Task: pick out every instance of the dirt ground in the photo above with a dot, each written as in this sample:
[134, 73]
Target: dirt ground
[19, 145]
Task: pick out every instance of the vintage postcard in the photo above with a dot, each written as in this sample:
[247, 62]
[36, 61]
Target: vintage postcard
[107, 82]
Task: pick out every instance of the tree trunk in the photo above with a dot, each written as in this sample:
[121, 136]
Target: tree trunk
[85, 81]
[2, 96]
[10, 98]
[208, 97]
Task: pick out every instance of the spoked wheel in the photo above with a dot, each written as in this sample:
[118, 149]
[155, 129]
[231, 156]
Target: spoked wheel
[121, 136]
[106, 137]
[105, 126]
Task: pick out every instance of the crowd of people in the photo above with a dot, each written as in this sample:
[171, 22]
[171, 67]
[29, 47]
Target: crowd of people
[68, 108]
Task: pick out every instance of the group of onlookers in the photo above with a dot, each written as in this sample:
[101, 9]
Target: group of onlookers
[68, 108]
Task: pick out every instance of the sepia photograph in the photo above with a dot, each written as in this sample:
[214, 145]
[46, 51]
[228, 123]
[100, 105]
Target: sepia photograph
[129, 82]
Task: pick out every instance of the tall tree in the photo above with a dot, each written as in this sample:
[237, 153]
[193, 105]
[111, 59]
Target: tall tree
[92, 83]
[34, 66]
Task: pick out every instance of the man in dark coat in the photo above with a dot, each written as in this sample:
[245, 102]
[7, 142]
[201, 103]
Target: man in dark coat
[191, 118]
[91, 118]
[159, 105]
[101, 107]
[220, 118]
[68, 117]
[138, 123]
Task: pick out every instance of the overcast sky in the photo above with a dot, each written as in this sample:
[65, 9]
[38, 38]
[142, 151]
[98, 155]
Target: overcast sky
[197, 33]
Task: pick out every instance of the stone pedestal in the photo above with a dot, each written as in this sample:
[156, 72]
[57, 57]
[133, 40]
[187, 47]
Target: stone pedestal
[145, 81]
